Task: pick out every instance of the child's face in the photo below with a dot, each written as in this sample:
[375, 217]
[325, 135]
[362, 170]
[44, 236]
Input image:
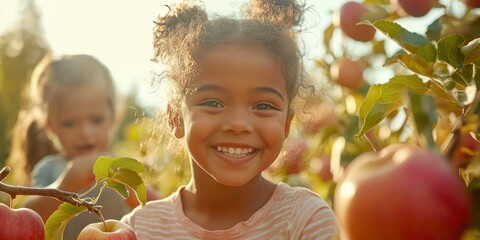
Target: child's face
[236, 120]
[81, 119]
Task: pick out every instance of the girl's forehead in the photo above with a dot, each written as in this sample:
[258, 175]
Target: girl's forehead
[238, 49]
[77, 94]
[240, 68]
[239, 59]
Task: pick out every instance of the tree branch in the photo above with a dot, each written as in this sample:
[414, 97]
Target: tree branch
[63, 196]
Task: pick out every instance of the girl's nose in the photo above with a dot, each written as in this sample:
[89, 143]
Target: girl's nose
[87, 130]
[238, 122]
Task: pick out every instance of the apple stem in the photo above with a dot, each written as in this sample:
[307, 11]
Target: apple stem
[64, 196]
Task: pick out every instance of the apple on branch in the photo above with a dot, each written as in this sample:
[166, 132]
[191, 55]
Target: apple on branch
[108, 230]
[347, 73]
[351, 13]
[21, 223]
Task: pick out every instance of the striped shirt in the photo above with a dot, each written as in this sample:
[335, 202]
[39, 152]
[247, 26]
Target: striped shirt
[291, 213]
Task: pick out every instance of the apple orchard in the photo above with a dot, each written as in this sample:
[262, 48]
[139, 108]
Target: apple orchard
[391, 139]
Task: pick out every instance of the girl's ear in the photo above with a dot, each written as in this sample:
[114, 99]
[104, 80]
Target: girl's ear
[288, 123]
[175, 122]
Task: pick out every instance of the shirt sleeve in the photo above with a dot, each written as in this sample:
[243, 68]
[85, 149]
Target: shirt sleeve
[312, 218]
[47, 171]
[322, 224]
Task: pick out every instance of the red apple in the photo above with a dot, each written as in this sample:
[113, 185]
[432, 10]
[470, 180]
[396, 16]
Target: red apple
[473, 3]
[347, 73]
[152, 194]
[115, 230]
[21, 223]
[402, 192]
[414, 8]
[350, 15]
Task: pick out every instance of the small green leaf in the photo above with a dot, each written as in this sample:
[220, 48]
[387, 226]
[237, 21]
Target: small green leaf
[460, 82]
[121, 170]
[327, 37]
[442, 93]
[382, 99]
[57, 222]
[379, 47]
[471, 51]
[134, 181]
[407, 40]
[477, 76]
[376, 2]
[424, 116]
[119, 187]
[107, 166]
[467, 72]
[416, 64]
[428, 52]
[449, 50]
[434, 30]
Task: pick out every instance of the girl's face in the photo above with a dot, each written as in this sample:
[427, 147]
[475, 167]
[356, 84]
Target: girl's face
[81, 119]
[236, 118]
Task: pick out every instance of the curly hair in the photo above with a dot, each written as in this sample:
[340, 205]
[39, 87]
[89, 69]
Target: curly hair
[185, 34]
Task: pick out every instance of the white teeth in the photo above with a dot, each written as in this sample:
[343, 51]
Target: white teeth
[235, 152]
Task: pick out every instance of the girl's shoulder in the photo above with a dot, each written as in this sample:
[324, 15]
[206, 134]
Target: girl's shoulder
[310, 215]
[164, 207]
[299, 195]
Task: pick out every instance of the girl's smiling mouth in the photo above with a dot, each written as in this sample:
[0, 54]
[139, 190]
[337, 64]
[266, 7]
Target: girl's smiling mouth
[235, 152]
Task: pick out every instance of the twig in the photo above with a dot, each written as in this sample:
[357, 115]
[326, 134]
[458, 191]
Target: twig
[64, 196]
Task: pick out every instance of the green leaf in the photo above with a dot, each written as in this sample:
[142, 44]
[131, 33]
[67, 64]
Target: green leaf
[119, 187]
[57, 222]
[416, 64]
[327, 37]
[477, 76]
[471, 51]
[121, 170]
[407, 40]
[467, 72]
[107, 166]
[428, 52]
[434, 30]
[376, 2]
[460, 82]
[441, 93]
[424, 116]
[382, 99]
[449, 50]
[134, 181]
[379, 47]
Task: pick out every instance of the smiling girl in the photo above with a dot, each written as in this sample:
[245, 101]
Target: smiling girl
[233, 81]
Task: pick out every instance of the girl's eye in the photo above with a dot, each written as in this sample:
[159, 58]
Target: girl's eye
[97, 120]
[212, 103]
[264, 106]
[68, 124]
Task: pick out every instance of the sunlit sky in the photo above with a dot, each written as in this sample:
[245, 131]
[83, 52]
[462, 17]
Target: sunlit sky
[119, 33]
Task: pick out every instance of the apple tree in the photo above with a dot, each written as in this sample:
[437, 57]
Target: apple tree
[417, 90]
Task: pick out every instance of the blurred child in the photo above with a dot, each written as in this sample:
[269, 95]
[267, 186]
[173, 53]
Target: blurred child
[233, 81]
[76, 98]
